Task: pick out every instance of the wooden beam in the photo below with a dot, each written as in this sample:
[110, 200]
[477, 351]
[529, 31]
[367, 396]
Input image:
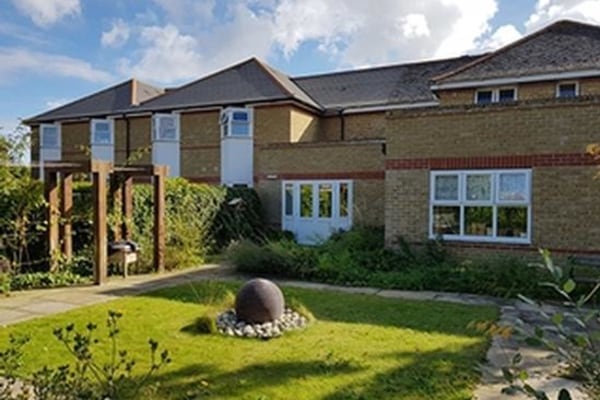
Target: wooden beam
[160, 176]
[99, 177]
[66, 211]
[127, 203]
[51, 194]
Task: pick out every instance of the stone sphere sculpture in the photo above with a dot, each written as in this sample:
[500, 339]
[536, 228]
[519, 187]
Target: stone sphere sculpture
[259, 301]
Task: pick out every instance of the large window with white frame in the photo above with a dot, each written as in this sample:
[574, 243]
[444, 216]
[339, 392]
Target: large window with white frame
[481, 205]
[165, 127]
[236, 122]
[102, 132]
[50, 136]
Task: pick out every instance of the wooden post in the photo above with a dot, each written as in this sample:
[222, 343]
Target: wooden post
[66, 211]
[127, 203]
[159, 178]
[51, 194]
[99, 176]
[115, 201]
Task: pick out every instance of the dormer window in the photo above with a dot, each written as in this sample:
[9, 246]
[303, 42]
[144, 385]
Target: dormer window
[236, 122]
[165, 127]
[50, 136]
[566, 90]
[102, 132]
[501, 95]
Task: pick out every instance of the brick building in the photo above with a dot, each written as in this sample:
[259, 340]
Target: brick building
[488, 151]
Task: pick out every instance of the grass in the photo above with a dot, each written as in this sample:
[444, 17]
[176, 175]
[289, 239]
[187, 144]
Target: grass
[359, 347]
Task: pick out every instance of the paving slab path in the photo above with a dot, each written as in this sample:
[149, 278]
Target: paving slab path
[544, 367]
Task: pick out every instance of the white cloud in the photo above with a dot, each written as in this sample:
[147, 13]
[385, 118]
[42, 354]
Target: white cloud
[501, 37]
[547, 11]
[117, 35]
[47, 12]
[51, 104]
[414, 25]
[15, 61]
[184, 12]
[167, 55]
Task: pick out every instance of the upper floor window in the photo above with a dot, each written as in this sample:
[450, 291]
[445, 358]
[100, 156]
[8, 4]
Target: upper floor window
[501, 95]
[102, 131]
[236, 122]
[50, 136]
[567, 90]
[165, 127]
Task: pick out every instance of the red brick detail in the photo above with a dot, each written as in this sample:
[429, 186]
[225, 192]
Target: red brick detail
[378, 175]
[512, 161]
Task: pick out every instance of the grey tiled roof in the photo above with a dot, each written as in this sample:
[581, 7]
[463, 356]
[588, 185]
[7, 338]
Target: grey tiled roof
[390, 85]
[564, 46]
[247, 82]
[114, 99]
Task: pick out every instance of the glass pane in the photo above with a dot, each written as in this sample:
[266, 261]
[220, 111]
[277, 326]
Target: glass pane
[478, 221]
[344, 199]
[506, 95]
[50, 137]
[446, 220]
[102, 132]
[289, 199]
[446, 187]
[512, 187]
[325, 200]
[166, 128]
[240, 129]
[567, 90]
[240, 116]
[479, 187]
[484, 97]
[306, 200]
[512, 222]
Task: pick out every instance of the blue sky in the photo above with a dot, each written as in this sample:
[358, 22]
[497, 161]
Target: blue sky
[55, 51]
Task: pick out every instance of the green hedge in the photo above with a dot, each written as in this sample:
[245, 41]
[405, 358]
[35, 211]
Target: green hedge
[359, 258]
[201, 219]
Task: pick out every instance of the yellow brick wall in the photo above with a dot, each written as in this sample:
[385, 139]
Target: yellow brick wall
[120, 141]
[75, 141]
[497, 130]
[564, 198]
[525, 91]
[272, 124]
[330, 129]
[323, 161]
[304, 126]
[141, 143]
[200, 129]
[365, 126]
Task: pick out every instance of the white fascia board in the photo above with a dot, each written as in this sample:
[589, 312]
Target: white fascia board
[518, 79]
[356, 110]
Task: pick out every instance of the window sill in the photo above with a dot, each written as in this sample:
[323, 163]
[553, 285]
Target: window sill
[483, 239]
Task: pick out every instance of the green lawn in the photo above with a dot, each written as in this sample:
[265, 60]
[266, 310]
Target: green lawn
[360, 347]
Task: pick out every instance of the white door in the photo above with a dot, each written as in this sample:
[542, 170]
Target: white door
[313, 210]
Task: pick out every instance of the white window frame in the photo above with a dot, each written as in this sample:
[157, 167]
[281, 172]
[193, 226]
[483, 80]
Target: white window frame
[559, 84]
[111, 128]
[336, 200]
[58, 136]
[226, 122]
[494, 202]
[496, 94]
[156, 137]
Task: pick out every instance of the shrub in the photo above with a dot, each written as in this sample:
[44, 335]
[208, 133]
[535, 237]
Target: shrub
[39, 280]
[86, 378]
[206, 324]
[576, 340]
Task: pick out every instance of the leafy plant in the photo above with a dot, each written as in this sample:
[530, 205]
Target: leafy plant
[86, 378]
[576, 341]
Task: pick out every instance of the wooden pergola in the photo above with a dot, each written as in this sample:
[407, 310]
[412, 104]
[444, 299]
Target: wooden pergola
[58, 178]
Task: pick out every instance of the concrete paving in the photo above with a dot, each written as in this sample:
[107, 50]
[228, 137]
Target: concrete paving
[544, 367]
